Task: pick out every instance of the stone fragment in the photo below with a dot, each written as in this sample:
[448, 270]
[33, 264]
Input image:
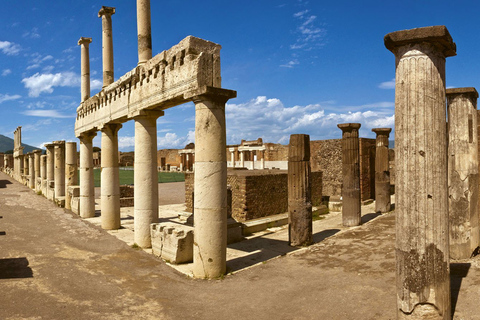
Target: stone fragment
[172, 242]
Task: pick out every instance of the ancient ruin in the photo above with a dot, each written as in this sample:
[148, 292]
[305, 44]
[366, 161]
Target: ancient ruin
[382, 171]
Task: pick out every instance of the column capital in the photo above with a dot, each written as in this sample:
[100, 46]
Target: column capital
[210, 93]
[58, 143]
[346, 127]
[106, 11]
[382, 131]
[114, 127]
[146, 114]
[438, 36]
[470, 92]
[89, 135]
[37, 151]
[84, 41]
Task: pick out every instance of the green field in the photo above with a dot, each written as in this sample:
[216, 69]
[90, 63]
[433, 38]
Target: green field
[126, 177]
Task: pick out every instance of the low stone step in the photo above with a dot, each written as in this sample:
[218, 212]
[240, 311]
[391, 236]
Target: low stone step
[261, 224]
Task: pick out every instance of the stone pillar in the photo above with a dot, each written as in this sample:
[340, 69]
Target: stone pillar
[26, 171]
[252, 154]
[59, 174]
[50, 171]
[144, 29]
[85, 67]
[43, 174]
[31, 170]
[87, 187]
[421, 195]
[110, 185]
[242, 160]
[107, 44]
[351, 204]
[71, 170]
[382, 171]
[463, 172]
[210, 203]
[232, 157]
[36, 156]
[145, 176]
[262, 163]
[299, 191]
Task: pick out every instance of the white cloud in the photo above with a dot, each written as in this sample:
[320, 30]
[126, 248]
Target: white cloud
[6, 72]
[46, 113]
[168, 141]
[290, 64]
[39, 83]
[6, 97]
[9, 48]
[32, 34]
[309, 36]
[300, 14]
[96, 84]
[387, 84]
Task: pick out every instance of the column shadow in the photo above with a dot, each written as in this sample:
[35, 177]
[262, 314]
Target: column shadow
[3, 233]
[15, 268]
[369, 216]
[3, 183]
[322, 235]
[458, 271]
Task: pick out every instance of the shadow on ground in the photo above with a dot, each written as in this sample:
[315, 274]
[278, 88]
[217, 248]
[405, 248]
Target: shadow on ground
[3, 183]
[370, 216]
[15, 268]
[458, 271]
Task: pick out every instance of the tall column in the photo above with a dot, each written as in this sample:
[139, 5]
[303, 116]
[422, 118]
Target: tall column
[252, 154]
[43, 174]
[87, 187]
[262, 163]
[144, 28]
[85, 67]
[36, 156]
[242, 160]
[422, 250]
[232, 157]
[26, 171]
[145, 176]
[463, 172]
[210, 203]
[299, 191]
[107, 44]
[31, 170]
[110, 185]
[71, 170]
[59, 174]
[382, 171]
[351, 205]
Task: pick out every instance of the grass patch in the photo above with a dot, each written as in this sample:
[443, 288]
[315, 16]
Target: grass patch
[126, 177]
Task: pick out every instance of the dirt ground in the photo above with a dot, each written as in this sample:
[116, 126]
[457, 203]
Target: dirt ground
[54, 265]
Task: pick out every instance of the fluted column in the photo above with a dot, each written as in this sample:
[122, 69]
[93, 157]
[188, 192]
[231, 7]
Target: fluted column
[85, 67]
[145, 177]
[463, 172]
[351, 203]
[59, 174]
[421, 195]
[71, 170]
[36, 157]
[144, 30]
[87, 186]
[382, 171]
[107, 44]
[110, 185]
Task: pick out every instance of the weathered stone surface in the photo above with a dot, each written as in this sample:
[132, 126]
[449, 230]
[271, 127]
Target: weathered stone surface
[423, 280]
[73, 193]
[351, 212]
[144, 30]
[172, 242]
[107, 44]
[382, 171]
[463, 172]
[87, 189]
[85, 67]
[59, 173]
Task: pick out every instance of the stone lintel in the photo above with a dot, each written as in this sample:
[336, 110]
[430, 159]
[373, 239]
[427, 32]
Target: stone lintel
[384, 131]
[106, 11]
[210, 93]
[470, 92]
[58, 143]
[146, 113]
[84, 40]
[37, 151]
[346, 127]
[436, 35]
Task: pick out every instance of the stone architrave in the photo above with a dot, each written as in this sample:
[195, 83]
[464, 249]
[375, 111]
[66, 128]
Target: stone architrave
[463, 172]
[299, 191]
[59, 174]
[85, 67]
[144, 30]
[351, 207]
[71, 170]
[382, 171]
[107, 44]
[421, 186]
[31, 170]
[110, 185]
[87, 187]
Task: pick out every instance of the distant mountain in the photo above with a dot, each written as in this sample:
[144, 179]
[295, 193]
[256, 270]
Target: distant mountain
[6, 144]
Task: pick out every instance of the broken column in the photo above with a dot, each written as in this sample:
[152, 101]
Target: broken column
[50, 171]
[351, 205]
[107, 44]
[463, 172]
[110, 180]
[382, 171]
[87, 187]
[37, 181]
[31, 170]
[144, 30]
[59, 173]
[85, 67]
[299, 191]
[145, 176]
[422, 250]
[71, 170]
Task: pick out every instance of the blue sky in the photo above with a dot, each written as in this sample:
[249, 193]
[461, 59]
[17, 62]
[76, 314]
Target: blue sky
[298, 66]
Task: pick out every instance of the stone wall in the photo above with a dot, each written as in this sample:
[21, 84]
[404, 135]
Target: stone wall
[326, 156]
[367, 168]
[172, 157]
[126, 159]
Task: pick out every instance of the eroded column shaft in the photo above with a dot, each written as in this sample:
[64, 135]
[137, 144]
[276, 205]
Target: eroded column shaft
[59, 169]
[463, 172]
[37, 154]
[421, 195]
[144, 29]
[31, 170]
[299, 191]
[87, 187]
[107, 44]
[85, 67]
[382, 171]
[351, 201]
[71, 170]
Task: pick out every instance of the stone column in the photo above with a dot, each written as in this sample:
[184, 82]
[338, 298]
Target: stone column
[107, 44]
[71, 170]
[262, 163]
[299, 191]
[421, 195]
[87, 187]
[382, 171]
[210, 203]
[31, 170]
[85, 67]
[59, 174]
[252, 154]
[43, 174]
[242, 160]
[36, 156]
[26, 171]
[145, 176]
[351, 204]
[50, 170]
[110, 185]
[144, 29]
[232, 156]
[463, 172]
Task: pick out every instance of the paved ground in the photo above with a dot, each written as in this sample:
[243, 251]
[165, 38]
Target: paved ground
[53, 265]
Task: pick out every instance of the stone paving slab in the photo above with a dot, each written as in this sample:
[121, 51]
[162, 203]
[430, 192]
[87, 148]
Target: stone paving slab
[54, 265]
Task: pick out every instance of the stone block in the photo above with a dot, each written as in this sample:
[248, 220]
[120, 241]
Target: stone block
[172, 242]
[74, 193]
